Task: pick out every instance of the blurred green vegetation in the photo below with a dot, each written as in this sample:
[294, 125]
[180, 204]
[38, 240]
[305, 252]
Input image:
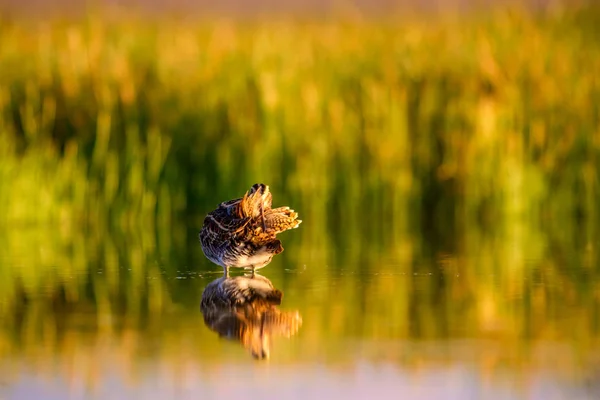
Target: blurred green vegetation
[492, 117]
[446, 172]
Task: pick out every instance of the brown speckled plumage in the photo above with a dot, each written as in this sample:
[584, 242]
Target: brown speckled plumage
[245, 309]
[242, 232]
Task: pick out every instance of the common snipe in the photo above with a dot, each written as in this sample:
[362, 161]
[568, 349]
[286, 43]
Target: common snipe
[242, 232]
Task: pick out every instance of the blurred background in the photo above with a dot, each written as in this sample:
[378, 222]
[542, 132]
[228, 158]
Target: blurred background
[444, 157]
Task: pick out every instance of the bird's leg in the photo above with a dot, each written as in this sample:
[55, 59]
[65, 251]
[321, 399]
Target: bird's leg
[227, 271]
[252, 273]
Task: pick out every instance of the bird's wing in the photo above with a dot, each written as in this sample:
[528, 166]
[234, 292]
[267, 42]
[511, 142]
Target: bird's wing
[223, 225]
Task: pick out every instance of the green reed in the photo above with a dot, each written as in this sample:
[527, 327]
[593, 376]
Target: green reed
[494, 118]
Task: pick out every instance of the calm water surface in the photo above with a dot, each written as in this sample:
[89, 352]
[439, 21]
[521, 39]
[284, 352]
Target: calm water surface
[480, 316]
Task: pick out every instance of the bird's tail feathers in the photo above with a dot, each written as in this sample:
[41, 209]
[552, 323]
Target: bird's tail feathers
[281, 219]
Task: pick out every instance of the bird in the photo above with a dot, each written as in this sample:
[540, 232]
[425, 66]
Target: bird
[245, 309]
[241, 233]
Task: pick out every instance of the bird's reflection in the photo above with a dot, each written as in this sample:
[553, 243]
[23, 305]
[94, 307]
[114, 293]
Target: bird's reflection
[245, 308]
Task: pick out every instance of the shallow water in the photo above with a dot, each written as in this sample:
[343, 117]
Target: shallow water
[478, 316]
